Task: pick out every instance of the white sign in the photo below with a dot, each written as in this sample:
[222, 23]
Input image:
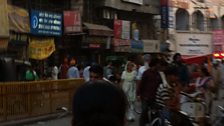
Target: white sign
[194, 44]
[151, 46]
[125, 30]
[134, 1]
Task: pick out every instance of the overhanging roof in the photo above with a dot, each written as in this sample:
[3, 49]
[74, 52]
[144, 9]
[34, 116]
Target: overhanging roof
[100, 30]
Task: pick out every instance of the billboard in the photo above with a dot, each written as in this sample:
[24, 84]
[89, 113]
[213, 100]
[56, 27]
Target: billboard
[194, 44]
[45, 23]
[72, 21]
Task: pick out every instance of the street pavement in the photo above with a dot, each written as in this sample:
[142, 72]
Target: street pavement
[66, 121]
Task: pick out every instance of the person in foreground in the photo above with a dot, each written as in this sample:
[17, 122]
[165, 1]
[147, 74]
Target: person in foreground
[99, 103]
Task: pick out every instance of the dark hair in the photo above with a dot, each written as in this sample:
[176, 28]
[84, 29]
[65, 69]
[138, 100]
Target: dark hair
[175, 56]
[96, 68]
[99, 103]
[171, 70]
[154, 62]
[204, 70]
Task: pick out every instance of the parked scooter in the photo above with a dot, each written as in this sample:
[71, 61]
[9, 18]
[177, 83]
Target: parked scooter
[219, 121]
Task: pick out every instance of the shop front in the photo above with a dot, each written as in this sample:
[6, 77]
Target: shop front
[97, 41]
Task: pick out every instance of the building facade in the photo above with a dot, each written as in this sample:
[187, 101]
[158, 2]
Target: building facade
[195, 27]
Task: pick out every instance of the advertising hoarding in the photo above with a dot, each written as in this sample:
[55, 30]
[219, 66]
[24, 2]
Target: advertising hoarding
[194, 44]
[72, 21]
[46, 23]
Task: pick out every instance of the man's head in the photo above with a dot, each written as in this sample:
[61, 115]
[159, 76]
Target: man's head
[177, 58]
[99, 103]
[171, 73]
[96, 72]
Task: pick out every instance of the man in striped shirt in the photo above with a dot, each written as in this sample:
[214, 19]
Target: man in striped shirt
[167, 95]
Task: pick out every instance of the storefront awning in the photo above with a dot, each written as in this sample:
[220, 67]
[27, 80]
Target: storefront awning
[195, 59]
[99, 30]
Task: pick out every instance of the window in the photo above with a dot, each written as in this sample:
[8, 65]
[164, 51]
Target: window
[198, 21]
[182, 20]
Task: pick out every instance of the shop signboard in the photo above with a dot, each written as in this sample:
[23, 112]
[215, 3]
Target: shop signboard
[137, 46]
[151, 46]
[72, 21]
[46, 23]
[140, 2]
[122, 29]
[194, 44]
[4, 30]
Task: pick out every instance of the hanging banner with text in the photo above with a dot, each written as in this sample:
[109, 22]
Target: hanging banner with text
[4, 30]
[40, 49]
[46, 23]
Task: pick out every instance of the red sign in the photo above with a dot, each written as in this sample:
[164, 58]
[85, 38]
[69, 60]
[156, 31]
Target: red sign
[117, 28]
[122, 42]
[94, 46]
[72, 21]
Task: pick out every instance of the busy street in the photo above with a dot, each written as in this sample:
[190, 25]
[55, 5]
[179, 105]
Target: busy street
[112, 63]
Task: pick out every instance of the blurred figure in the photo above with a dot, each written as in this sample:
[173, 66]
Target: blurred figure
[73, 71]
[64, 69]
[31, 74]
[216, 75]
[205, 84]
[147, 89]
[86, 73]
[54, 72]
[128, 82]
[108, 70]
[142, 69]
[96, 73]
[183, 72]
[98, 103]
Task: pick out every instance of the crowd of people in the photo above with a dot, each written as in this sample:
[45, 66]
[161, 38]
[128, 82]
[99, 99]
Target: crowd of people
[156, 84]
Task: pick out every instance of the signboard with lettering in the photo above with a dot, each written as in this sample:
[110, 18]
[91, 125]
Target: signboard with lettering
[72, 21]
[46, 23]
[194, 44]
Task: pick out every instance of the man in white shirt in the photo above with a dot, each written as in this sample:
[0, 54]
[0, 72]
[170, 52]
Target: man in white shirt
[86, 73]
[54, 72]
[142, 69]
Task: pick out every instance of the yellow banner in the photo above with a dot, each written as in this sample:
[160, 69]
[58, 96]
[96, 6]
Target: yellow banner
[4, 23]
[40, 49]
[18, 19]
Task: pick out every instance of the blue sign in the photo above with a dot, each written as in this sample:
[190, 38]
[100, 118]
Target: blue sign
[137, 46]
[164, 17]
[46, 23]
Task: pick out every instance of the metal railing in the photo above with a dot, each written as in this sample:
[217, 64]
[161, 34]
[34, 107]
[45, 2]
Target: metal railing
[22, 100]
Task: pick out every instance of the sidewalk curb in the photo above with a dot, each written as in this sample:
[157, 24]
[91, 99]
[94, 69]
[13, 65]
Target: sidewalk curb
[29, 120]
